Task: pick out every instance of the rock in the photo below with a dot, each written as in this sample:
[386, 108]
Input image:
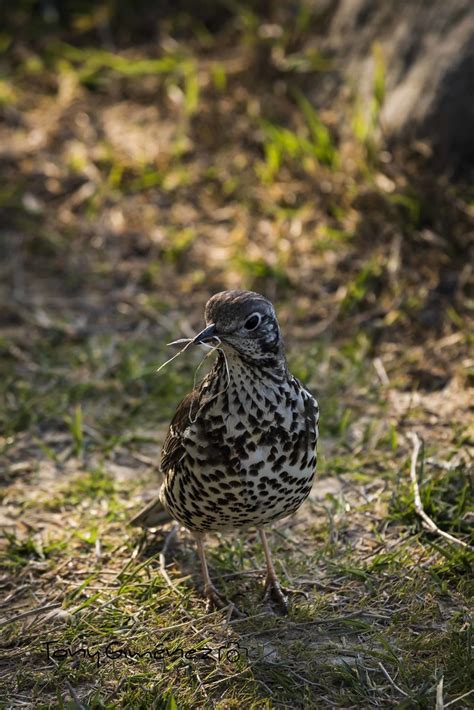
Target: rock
[428, 50]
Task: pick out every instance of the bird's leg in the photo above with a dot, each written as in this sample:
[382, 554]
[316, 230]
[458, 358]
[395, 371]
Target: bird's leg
[214, 599]
[273, 589]
[210, 592]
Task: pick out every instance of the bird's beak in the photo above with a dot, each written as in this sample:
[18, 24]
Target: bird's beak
[209, 332]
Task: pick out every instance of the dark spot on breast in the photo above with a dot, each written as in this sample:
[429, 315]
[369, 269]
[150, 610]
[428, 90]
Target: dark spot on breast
[278, 465]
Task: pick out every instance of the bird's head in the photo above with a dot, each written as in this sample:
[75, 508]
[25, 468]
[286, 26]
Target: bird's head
[246, 324]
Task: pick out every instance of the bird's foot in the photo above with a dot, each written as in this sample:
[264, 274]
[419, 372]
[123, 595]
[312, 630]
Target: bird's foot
[216, 601]
[274, 592]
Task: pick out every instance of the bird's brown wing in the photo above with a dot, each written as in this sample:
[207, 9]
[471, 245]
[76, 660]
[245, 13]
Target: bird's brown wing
[173, 449]
[155, 513]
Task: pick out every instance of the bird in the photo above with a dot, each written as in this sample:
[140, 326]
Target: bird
[240, 451]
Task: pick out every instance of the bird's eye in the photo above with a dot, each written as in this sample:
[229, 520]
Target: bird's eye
[252, 322]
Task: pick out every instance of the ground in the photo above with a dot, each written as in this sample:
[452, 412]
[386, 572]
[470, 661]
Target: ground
[136, 181]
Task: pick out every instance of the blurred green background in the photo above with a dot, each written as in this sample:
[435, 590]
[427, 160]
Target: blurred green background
[154, 154]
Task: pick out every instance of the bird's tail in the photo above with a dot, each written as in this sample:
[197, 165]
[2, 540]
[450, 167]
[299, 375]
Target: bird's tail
[152, 515]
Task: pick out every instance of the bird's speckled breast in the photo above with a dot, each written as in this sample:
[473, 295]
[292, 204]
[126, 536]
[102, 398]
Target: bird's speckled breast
[249, 453]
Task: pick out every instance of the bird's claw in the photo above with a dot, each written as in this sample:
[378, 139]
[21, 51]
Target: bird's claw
[275, 593]
[278, 594]
[215, 601]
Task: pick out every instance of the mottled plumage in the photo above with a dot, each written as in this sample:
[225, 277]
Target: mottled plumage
[241, 448]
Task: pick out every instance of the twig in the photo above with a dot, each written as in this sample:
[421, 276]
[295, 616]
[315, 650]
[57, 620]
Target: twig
[456, 700]
[116, 690]
[391, 681]
[30, 612]
[201, 684]
[430, 524]
[239, 673]
[446, 465]
[244, 573]
[381, 371]
[439, 695]
[80, 705]
[190, 621]
[229, 613]
[75, 697]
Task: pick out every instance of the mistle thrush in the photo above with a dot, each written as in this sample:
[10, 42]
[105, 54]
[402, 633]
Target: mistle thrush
[241, 448]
